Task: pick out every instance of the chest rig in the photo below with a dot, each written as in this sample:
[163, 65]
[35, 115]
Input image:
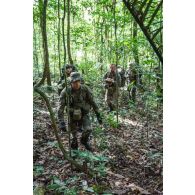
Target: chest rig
[78, 103]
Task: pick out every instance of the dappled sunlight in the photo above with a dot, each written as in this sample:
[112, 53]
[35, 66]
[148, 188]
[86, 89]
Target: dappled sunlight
[128, 121]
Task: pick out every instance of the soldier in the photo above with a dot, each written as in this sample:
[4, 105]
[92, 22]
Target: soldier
[132, 80]
[66, 71]
[112, 80]
[122, 72]
[80, 100]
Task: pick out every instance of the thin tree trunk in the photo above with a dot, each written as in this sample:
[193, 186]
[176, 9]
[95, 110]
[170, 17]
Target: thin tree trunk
[63, 31]
[135, 45]
[68, 33]
[136, 59]
[40, 47]
[36, 59]
[59, 59]
[116, 54]
[136, 54]
[101, 41]
[54, 45]
[46, 72]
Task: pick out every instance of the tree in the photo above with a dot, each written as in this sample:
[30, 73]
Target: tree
[59, 59]
[68, 33]
[63, 33]
[46, 72]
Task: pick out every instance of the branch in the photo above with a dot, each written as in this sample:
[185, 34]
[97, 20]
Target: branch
[64, 152]
[146, 10]
[154, 14]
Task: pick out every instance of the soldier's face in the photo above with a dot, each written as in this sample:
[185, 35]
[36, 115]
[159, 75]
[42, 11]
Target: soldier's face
[68, 70]
[76, 85]
[112, 68]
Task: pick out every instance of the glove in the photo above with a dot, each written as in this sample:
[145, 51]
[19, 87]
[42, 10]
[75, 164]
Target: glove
[99, 118]
[62, 126]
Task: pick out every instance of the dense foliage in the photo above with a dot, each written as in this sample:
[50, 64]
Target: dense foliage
[93, 34]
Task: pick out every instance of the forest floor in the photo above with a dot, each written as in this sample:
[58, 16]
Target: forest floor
[128, 157]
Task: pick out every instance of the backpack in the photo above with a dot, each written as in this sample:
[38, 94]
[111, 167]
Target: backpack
[123, 78]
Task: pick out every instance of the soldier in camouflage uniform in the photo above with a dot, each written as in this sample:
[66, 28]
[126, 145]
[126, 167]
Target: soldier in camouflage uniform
[121, 72]
[66, 71]
[132, 80]
[80, 101]
[112, 79]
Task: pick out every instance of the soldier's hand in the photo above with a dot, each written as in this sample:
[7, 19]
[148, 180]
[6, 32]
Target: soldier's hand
[62, 126]
[100, 121]
[108, 79]
[63, 129]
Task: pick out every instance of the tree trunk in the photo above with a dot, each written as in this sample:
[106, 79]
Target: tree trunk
[55, 55]
[134, 73]
[63, 33]
[159, 83]
[135, 45]
[136, 55]
[59, 59]
[46, 72]
[40, 47]
[68, 33]
[36, 58]
[116, 55]
[101, 40]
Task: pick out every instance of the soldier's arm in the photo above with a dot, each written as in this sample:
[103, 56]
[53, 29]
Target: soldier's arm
[59, 82]
[94, 105]
[105, 77]
[117, 80]
[61, 86]
[61, 79]
[62, 106]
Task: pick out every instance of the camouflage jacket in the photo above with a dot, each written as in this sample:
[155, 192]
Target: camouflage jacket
[116, 77]
[82, 98]
[62, 85]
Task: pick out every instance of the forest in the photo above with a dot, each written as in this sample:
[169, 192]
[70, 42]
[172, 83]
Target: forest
[127, 156]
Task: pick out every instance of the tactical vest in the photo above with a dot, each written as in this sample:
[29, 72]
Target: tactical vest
[78, 99]
[111, 87]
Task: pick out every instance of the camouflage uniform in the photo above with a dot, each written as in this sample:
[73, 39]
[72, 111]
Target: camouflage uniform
[121, 72]
[111, 94]
[80, 102]
[132, 79]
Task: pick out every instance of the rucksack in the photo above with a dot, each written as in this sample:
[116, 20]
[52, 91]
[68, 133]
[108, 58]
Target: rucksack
[123, 78]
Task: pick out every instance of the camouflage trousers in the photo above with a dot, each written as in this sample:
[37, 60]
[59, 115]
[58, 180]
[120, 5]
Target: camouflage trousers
[111, 99]
[85, 123]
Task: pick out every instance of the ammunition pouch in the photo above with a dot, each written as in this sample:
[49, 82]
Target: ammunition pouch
[108, 85]
[77, 114]
[111, 90]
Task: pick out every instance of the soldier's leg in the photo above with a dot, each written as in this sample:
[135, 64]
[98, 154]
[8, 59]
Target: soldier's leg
[86, 132]
[114, 100]
[79, 127]
[109, 101]
[73, 129]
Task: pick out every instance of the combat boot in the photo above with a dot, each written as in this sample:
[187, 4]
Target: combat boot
[74, 144]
